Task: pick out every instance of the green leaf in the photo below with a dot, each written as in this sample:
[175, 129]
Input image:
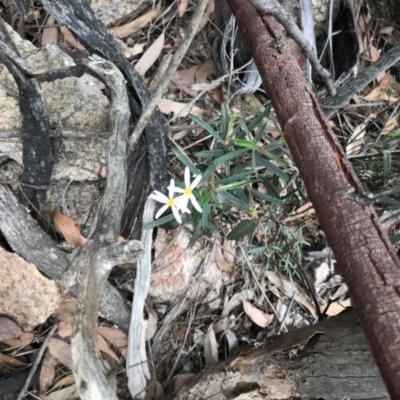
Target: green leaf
[271, 167]
[245, 143]
[257, 249]
[270, 187]
[186, 161]
[387, 163]
[395, 238]
[235, 177]
[205, 198]
[209, 153]
[234, 185]
[224, 120]
[234, 200]
[159, 221]
[266, 197]
[216, 162]
[243, 228]
[244, 128]
[206, 127]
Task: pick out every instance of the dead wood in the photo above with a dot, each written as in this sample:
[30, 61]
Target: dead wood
[28, 239]
[365, 256]
[329, 360]
[93, 264]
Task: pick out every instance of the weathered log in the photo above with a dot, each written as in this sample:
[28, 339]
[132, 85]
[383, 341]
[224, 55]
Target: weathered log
[365, 256]
[330, 360]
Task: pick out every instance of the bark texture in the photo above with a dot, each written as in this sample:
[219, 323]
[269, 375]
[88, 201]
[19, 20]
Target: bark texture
[387, 10]
[330, 360]
[365, 257]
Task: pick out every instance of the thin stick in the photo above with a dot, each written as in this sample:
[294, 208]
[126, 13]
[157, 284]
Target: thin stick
[169, 73]
[36, 363]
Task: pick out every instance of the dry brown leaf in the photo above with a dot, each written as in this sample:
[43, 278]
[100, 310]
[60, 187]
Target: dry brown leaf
[105, 348]
[182, 7]
[68, 393]
[151, 327]
[26, 295]
[236, 300]
[337, 307]
[68, 228]
[206, 17]
[390, 125]
[290, 288]
[382, 91]
[61, 351]
[47, 371]
[64, 381]
[374, 53]
[386, 30]
[356, 139]
[64, 329]
[50, 35]
[12, 335]
[116, 337]
[167, 106]
[69, 38]
[257, 316]
[210, 347]
[150, 55]
[185, 79]
[11, 361]
[131, 28]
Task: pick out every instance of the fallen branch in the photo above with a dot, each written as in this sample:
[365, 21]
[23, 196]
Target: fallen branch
[365, 256]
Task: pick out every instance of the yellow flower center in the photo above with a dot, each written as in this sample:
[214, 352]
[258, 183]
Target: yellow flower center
[170, 202]
[187, 191]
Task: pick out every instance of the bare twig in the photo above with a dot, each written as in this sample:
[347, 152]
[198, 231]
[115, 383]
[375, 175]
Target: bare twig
[172, 67]
[36, 363]
[138, 371]
[272, 7]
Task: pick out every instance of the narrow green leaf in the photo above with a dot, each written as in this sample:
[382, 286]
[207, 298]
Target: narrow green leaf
[387, 163]
[205, 198]
[235, 177]
[209, 153]
[245, 143]
[257, 249]
[233, 200]
[160, 221]
[186, 161]
[244, 128]
[206, 127]
[395, 238]
[234, 185]
[224, 120]
[270, 187]
[271, 167]
[243, 228]
[216, 162]
[266, 197]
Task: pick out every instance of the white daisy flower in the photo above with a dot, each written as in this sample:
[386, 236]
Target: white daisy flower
[187, 192]
[175, 204]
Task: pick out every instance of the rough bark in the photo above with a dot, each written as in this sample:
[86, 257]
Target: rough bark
[365, 257]
[330, 360]
[387, 10]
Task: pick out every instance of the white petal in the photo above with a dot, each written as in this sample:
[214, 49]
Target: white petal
[161, 211]
[177, 189]
[187, 177]
[195, 182]
[171, 189]
[181, 202]
[196, 204]
[176, 214]
[158, 196]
